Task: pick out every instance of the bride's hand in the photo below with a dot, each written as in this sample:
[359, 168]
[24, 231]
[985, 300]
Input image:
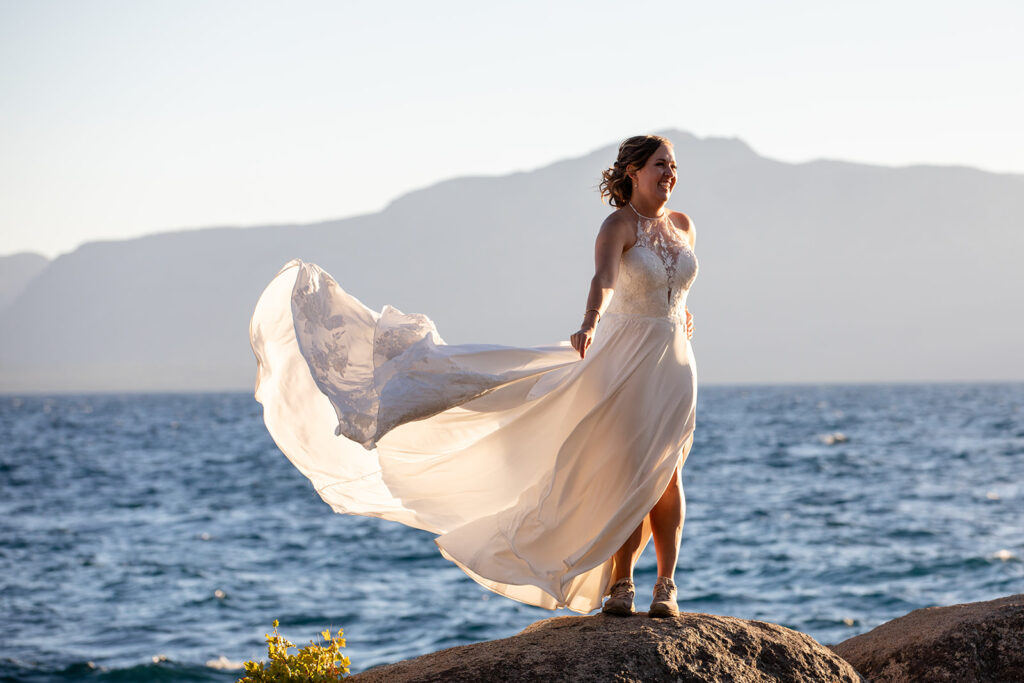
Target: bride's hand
[689, 324]
[581, 340]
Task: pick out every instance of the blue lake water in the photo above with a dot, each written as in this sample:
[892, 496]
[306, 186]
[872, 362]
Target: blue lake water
[145, 537]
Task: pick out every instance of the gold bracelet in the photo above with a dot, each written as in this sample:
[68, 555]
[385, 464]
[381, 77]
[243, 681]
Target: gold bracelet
[595, 311]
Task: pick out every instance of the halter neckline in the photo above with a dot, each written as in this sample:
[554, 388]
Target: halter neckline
[646, 218]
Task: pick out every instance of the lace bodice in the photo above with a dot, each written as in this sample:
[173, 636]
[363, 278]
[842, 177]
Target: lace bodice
[655, 274]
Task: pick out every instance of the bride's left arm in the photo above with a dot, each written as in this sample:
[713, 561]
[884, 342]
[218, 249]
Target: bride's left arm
[689, 229]
[691, 234]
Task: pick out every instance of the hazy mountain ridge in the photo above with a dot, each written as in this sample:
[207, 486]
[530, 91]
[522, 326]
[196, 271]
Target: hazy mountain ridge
[822, 271]
[16, 271]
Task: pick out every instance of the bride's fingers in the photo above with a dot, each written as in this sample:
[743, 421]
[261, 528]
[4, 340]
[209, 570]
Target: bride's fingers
[581, 342]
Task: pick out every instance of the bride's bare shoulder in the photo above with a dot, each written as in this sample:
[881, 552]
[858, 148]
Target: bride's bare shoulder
[681, 220]
[618, 222]
[619, 228]
[684, 223]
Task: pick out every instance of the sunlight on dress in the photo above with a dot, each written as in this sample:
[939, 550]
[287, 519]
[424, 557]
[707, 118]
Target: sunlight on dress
[531, 465]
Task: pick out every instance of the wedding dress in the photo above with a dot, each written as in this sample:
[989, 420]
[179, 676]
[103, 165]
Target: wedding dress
[531, 465]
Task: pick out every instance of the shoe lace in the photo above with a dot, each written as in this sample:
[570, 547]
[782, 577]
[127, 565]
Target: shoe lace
[664, 589]
[623, 588]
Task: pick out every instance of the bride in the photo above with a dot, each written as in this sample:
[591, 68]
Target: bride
[543, 471]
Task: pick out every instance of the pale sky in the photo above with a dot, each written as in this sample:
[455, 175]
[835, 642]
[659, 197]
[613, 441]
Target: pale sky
[121, 118]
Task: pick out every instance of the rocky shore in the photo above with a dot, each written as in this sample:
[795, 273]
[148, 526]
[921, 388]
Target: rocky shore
[978, 642]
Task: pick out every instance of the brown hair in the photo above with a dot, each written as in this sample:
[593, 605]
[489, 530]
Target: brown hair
[633, 152]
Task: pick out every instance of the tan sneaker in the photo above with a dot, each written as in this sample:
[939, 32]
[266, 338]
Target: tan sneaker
[620, 600]
[664, 604]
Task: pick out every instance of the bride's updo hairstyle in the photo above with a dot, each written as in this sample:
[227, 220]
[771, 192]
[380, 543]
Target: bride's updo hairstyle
[633, 154]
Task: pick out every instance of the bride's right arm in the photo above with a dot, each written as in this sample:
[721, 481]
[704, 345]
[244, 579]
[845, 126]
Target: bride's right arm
[615, 236]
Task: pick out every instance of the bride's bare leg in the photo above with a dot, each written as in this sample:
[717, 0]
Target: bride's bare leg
[667, 517]
[627, 555]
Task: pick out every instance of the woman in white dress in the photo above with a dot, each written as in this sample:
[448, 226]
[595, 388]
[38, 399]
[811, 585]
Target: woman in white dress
[640, 184]
[543, 470]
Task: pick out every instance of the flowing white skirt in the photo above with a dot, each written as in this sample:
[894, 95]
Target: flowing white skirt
[531, 465]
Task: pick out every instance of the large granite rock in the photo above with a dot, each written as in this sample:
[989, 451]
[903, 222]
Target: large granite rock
[979, 642]
[690, 648]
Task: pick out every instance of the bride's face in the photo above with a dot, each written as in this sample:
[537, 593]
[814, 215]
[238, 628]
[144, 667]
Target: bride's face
[658, 176]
